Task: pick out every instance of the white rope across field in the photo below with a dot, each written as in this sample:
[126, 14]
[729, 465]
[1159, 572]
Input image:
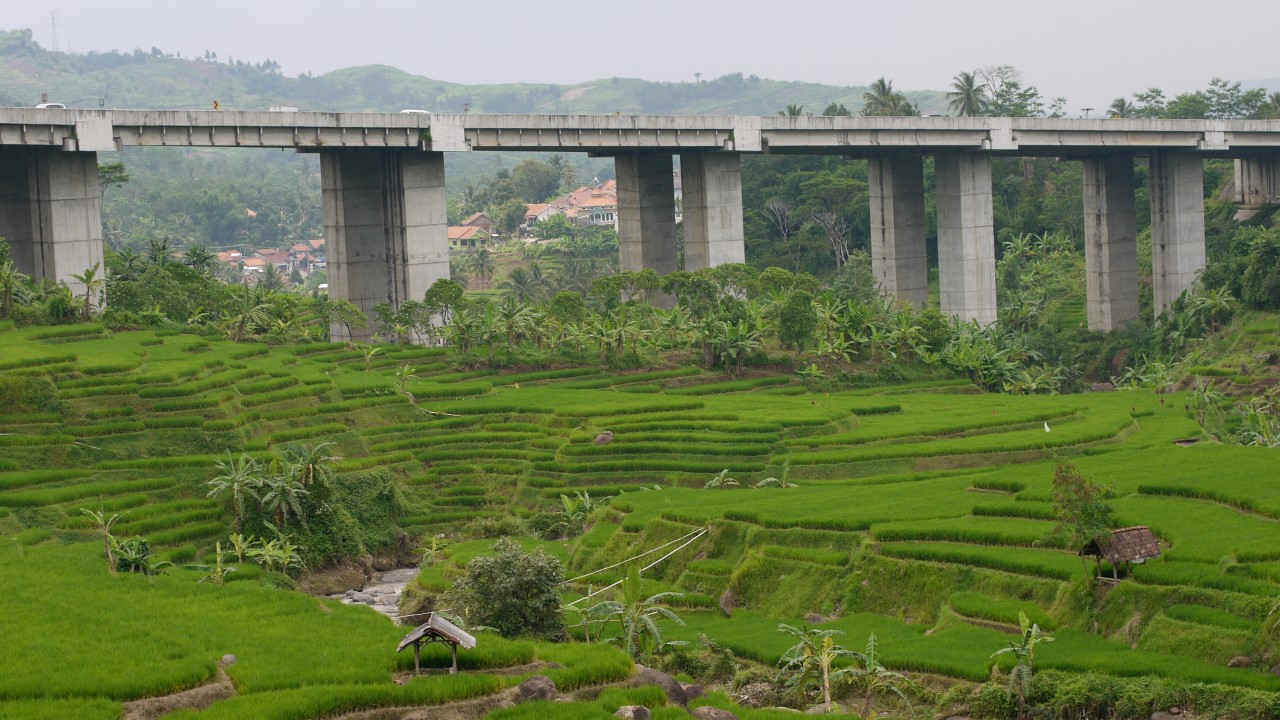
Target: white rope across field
[637, 557]
[696, 534]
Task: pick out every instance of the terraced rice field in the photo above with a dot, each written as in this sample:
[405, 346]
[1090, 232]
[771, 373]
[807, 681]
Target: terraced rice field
[920, 512]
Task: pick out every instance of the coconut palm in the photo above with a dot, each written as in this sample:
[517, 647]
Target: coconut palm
[12, 287]
[240, 478]
[637, 616]
[201, 260]
[93, 286]
[792, 110]
[881, 100]
[311, 465]
[482, 264]
[1271, 109]
[521, 283]
[968, 96]
[1121, 108]
[159, 251]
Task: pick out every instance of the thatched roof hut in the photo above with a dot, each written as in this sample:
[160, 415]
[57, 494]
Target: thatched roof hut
[1126, 545]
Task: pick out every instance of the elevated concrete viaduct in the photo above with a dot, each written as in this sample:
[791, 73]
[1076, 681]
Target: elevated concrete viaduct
[383, 180]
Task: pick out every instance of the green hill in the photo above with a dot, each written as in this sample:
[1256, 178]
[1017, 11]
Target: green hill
[156, 80]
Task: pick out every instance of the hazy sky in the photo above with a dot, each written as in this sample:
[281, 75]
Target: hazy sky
[1089, 51]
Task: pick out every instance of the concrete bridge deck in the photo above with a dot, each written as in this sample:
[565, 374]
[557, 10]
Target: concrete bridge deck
[107, 130]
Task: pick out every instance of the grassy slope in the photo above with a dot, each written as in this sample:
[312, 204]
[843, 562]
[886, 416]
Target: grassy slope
[940, 488]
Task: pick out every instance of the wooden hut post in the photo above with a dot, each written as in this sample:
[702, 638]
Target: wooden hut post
[416, 660]
[453, 669]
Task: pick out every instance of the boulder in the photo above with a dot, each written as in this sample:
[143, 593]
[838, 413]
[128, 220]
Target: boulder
[1162, 715]
[633, 712]
[1240, 661]
[604, 438]
[692, 691]
[362, 597]
[706, 712]
[230, 659]
[1102, 387]
[670, 686]
[538, 687]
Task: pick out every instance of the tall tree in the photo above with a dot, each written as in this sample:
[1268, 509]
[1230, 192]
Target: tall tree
[93, 286]
[968, 96]
[1121, 108]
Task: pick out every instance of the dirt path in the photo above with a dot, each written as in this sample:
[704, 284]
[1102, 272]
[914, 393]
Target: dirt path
[197, 698]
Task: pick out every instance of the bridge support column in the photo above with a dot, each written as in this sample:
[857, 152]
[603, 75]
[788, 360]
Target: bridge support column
[1177, 224]
[898, 256]
[1257, 183]
[51, 212]
[712, 193]
[646, 213]
[385, 227]
[1110, 242]
[966, 236]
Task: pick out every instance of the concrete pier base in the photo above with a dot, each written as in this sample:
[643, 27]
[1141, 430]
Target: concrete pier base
[646, 213]
[385, 227]
[1110, 242]
[712, 196]
[898, 256]
[1257, 180]
[51, 213]
[966, 236]
[1177, 224]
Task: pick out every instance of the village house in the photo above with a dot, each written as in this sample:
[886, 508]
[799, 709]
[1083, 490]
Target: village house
[466, 237]
[482, 221]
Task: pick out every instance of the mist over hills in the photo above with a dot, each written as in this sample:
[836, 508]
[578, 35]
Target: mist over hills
[161, 80]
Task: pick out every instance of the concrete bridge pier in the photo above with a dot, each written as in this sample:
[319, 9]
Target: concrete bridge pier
[51, 212]
[385, 227]
[712, 197]
[646, 213]
[898, 255]
[1177, 224]
[1110, 242]
[1257, 183]
[966, 236]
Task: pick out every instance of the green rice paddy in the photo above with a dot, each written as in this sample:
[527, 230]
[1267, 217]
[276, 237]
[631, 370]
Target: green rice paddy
[920, 512]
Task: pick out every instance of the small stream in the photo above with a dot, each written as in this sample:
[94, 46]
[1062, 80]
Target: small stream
[382, 592]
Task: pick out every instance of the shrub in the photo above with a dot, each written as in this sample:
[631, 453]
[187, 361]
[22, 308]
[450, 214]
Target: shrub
[514, 591]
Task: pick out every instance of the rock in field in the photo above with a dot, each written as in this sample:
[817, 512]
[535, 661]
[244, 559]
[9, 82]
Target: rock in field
[648, 676]
[538, 687]
[1240, 661]
[632, 712]
[706, 712]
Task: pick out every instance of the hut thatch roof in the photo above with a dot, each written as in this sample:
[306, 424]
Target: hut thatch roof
[1131, 544]
[438, 627]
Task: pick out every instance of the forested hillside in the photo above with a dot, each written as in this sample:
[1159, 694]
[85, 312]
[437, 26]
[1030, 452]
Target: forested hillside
[157, 78]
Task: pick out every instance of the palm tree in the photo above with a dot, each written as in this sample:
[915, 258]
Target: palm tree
[93, 286]
[12, 286]
[128, 263]
[201, 260]
[812, 660]
[271, 278]
[637, 616]
[312, 465]
[792, 110]
[482, 264]
[880, 99]
[968, 96]
[1121, 108]
[722, 481]
[252, 311]
[159, 251]
[238, 477]
[1025, 653]
[521, 284]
